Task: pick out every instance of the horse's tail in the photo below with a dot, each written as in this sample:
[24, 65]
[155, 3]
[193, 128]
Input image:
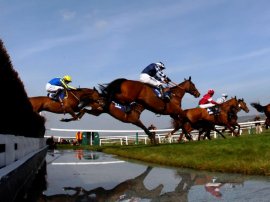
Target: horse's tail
[112, 88]
[258, 106]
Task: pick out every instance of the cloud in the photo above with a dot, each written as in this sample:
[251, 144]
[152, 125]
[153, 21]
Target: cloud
[67, 14]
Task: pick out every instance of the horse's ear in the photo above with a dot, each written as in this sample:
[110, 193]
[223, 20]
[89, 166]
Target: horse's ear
[95, 88]
[189, 78]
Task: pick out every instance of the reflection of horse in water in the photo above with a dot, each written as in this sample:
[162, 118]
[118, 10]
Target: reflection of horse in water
[129, 189]
[135, 190]
[263, 109]
[74, 101]
[125, 91]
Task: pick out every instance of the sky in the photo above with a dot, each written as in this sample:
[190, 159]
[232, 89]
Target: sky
[223, 45]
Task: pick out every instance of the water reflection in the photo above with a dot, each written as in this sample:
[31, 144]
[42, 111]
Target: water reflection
[149, 184]
[85, 154]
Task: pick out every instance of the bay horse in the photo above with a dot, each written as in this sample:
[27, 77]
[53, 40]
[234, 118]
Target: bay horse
[136, 108]
[200, 119]
[232, 119]
[82, 96]
[232, 116]
[125, 91]
[263, 109]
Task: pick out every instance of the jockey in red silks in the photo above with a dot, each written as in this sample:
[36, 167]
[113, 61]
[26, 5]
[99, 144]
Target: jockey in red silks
[207, 101]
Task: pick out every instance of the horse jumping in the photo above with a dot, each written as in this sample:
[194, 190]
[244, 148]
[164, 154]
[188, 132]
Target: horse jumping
[82, 96]
[136, 109]
[120, 91]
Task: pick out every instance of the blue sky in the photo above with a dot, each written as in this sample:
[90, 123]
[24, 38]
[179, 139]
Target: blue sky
[224, 45]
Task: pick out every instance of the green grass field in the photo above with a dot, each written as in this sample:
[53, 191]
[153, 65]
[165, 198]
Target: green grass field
[247, 154]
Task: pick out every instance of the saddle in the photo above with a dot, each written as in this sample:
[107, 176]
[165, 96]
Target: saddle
[166, 96]
[57, 96]
[124, 108]
[215, 110]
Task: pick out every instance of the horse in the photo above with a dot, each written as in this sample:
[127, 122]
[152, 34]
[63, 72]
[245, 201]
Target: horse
[263, 109]
[113, 109]
[200, 119]
[232, 119]
[125, 91]
[133, 116]
[232, 116]
[74, 101]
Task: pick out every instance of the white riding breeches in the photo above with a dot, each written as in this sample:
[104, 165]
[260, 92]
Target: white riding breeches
[206, 105]
[145, 78]
[52, 88]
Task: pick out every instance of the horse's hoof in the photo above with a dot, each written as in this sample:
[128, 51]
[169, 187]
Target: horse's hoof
[64, 120]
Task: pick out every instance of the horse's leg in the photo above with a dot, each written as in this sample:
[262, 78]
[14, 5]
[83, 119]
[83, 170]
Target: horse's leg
[207, 134]
[219, 132]
[76, 117]
[199, 136]
[151, 135]
[186, 130]
[231, 129]
[225, 128]
[134, 117]
[238, 131]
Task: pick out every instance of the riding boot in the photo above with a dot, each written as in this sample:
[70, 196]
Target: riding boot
[167, 97]
[127, 108]
[160, 87]
[61, 101]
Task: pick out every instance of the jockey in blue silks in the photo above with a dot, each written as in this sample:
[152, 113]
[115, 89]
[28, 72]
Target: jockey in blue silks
[56, 86]
[154, 76]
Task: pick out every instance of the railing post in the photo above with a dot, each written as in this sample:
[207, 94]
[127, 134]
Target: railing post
[137, 138]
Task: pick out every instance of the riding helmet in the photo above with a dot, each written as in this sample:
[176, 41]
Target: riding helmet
[211, 92]
[224, 95]
[67, 78]
[160, 65]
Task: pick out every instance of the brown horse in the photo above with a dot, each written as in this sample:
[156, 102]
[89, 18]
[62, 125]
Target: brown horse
[127, 91]
[82, 96]
[263, 109]
[232, 116]
[232, 119]
[136, 109]
[198, 118]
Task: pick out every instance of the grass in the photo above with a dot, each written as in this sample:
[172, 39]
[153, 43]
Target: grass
[247, 154]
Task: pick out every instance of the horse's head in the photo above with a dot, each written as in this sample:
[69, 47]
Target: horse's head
[90, 96]
[190, 87]
[97, 97]
[230, 105]
[242, 104]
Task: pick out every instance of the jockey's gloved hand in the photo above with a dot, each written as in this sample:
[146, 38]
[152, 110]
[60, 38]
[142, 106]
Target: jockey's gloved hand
[168, 80]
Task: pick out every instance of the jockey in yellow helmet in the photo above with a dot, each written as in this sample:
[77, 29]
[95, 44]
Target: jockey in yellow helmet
[56, 86]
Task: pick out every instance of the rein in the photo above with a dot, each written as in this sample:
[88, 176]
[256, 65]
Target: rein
[74, 96]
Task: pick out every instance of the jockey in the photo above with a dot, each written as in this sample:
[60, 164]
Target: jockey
[206, 101]
[222, 99]
[153, 75]
[56, 86]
